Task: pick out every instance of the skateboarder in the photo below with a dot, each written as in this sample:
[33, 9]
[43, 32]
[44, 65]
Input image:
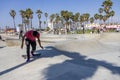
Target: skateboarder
[30, 40]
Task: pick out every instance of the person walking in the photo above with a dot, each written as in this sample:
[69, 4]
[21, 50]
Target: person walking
[1, 38]
[30, 40]
[20, 34]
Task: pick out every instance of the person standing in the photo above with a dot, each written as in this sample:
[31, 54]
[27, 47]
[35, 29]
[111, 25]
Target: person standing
[30, 40]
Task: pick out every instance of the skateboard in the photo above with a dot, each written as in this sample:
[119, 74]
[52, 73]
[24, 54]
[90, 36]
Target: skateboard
[35, 56]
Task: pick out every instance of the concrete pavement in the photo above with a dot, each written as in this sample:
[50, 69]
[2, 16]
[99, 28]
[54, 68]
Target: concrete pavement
[92, 59]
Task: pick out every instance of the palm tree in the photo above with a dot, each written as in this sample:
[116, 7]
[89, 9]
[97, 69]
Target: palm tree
[39, 12]
[46, 15]
[104, 18]
[29, 14]
[26, 22]
[44, 23]
[13, 14]
[96, 16]
[57, 21]
[31, 17]
[81, 22]
[66, 15]
[23, 16]
[91, 20]
[112, 13]
[100, 10]
[52, 17]
[107, 5]
[108, 16]
[100, 16]
[75, 18]
[85, 19]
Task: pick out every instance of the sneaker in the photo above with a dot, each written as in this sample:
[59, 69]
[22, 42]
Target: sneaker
[32, 54]
[28, 60]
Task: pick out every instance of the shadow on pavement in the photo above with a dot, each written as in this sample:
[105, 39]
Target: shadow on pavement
[85, 68]
[11, 69]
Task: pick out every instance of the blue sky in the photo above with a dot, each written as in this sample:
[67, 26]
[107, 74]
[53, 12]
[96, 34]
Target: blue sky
[50, 6]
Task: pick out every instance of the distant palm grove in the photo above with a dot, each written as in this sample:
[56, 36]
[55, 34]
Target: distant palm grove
[65, 19]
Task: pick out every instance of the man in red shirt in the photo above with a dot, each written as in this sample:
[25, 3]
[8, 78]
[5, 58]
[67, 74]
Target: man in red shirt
[30, 39]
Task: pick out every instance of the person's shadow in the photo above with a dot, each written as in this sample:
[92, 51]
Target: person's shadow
[45, 53]
[78, 67]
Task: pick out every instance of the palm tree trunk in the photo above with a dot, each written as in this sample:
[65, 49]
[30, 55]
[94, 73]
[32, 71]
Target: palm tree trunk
[39, 25]
[31, 24]
[14, 24]
[65, 28]
[83, 28]
[28, 24]
[23, 29]
[46, 22]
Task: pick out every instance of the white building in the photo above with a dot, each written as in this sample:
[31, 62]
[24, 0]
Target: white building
[50, 25]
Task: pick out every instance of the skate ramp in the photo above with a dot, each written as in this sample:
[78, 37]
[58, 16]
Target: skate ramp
[106, 42]
[2, 44]
[110, 37]
[86, 47]
[13, 42]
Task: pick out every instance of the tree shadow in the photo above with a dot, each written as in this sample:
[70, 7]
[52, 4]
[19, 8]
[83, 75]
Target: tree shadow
[76, 68]
[17, 66]
[49, 51]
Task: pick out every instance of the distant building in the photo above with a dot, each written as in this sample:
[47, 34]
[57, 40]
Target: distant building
[92, 25]
[10, 30]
